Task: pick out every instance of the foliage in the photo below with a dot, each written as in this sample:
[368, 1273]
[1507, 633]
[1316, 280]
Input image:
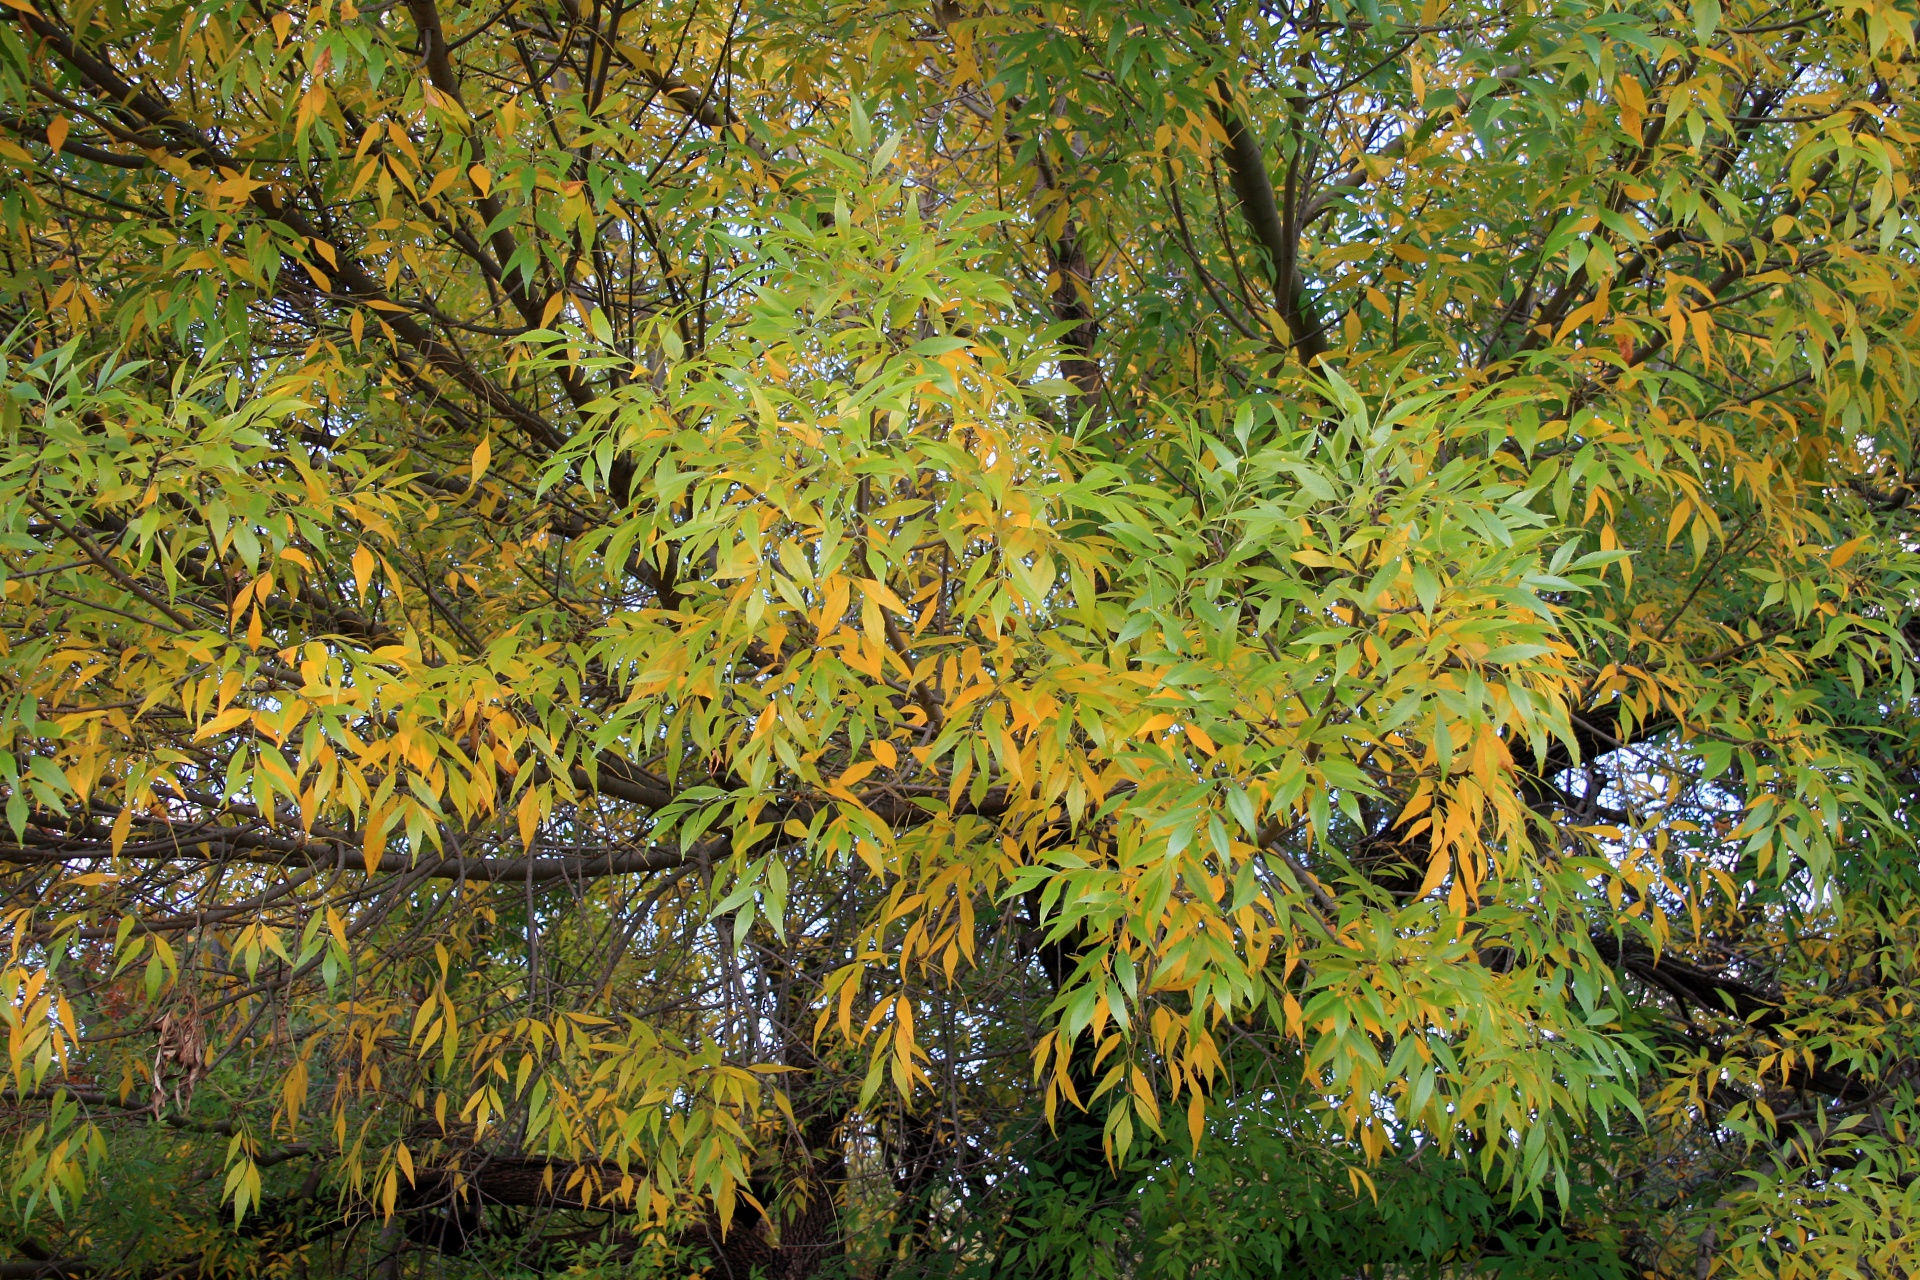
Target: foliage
[1023, 639]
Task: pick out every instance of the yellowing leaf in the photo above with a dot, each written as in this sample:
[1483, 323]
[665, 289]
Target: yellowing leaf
[363, 565]
[482, 455]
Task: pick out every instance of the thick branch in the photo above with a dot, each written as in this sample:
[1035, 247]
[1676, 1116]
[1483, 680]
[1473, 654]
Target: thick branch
[1253, 188]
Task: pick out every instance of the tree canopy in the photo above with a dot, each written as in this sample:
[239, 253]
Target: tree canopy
[1021, 639]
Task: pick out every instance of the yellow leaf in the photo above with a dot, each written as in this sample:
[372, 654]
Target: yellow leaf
[1153, 725]
[1438, 864]
[1844, 552]
[225, 720]
[1677, 520]
[293, 1090]
[880, 593]
[855, 773]
[482, 455]
[481, 179]
[57, 132]
[1633, 105]
[835, 607]
[363, 561]
[373, 840]
[1702, 335]
[883, 752]
[527, 814]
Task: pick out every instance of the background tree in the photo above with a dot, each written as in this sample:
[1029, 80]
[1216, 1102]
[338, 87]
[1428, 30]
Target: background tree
[812, 639]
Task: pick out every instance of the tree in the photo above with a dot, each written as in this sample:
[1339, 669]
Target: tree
[1020, 639]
